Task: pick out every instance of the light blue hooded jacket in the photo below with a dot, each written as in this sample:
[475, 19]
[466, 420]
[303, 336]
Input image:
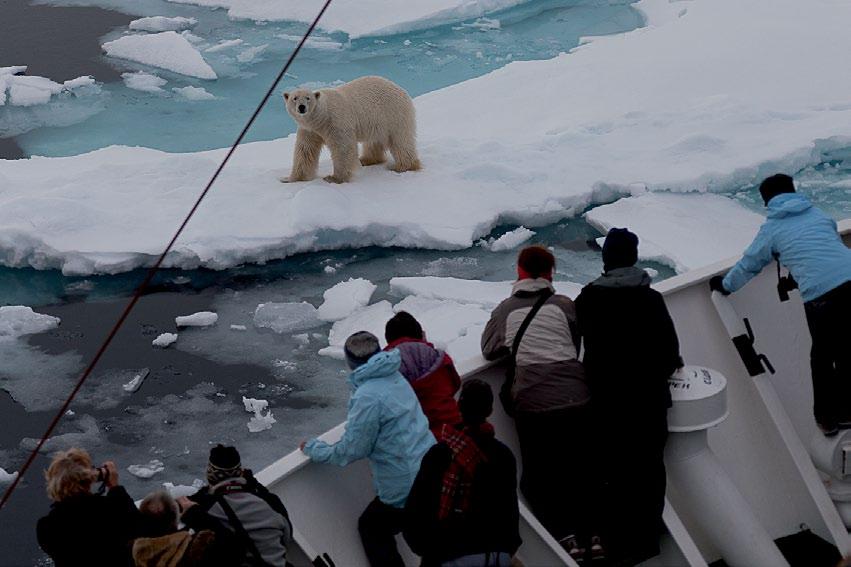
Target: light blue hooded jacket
[807, 243]
[385, 425]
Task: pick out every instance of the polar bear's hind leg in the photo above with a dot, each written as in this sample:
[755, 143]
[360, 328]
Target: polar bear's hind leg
[373, 153]
[404, 152]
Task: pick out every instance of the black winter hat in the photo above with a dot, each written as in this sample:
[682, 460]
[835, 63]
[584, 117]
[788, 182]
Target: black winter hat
[403, 324]
[620, 250]
[475, 402]
[775, 185]
[224, 463]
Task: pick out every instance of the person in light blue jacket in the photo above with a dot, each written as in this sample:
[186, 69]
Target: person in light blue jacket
[806, 241]
[387, 426]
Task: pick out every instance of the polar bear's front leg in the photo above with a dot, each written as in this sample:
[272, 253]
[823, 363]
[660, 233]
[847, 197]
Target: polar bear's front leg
[344, 155]
[308, 146]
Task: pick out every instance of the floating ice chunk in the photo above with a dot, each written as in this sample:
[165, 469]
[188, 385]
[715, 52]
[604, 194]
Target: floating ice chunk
[224, 44]
[148, 470]
[85, 433]
[7, 477]
[162, 23]
[509, 240]
[345, 298]
[313, 42]
[302, 339]
[136, 382]
[14, 70]
[27, 90]
[681, 231]
[286, 317]
[443, 321]
[260, 421]
[250, 54]
[178, 490]
[483, 24]
[486, 294]
[194, 93]
[200, 319]
[167, 50]
[238, 328]
[142, 81]
[18, 320]
[330, 270]
[372, 318]
[165, 340]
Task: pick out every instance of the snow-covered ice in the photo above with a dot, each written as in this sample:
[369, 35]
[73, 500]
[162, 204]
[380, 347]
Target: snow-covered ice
[249, 54]
[345, 298]
[509, 240]
[372, 318]
[142, 81]
[261, 421]
[165, 340]
[166, 50]
[360, 18]
[224, 44]
[238, 328]
[598, 128]
[7, 477]
[162, 24]
[194, 93]
[148, 470]
[200, 319]
[286, 317]
[32, 90]
[486, 294]
[681, 231]
[444, 321]
[18, 320]
[136, 382]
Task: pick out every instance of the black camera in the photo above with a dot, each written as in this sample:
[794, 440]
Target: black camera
[785, 284]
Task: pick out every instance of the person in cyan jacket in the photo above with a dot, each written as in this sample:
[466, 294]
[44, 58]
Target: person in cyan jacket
[806, 241]
[462, 509]
[431, 372]
[631, 349]
[551, 400]
[387, 426]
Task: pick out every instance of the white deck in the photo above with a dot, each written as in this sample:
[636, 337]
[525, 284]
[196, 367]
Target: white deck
[759, 444]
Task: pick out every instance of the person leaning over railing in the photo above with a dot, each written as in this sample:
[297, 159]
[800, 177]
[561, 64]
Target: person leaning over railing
[83, 528]
[462, 510]
[805, 240]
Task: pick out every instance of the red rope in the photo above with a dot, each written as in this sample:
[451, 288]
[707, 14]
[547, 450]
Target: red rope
[155, 268]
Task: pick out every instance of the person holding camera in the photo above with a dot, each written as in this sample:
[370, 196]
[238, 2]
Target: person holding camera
[805, 240]
[83, 528]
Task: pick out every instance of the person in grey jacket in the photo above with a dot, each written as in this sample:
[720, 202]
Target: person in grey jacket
[550, 399]
[236, 505]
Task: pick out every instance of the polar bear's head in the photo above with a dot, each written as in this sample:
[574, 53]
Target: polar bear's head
[301, 103]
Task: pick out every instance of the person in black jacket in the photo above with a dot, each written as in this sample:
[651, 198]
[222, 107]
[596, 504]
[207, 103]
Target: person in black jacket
[631, 349]
[84, 528]
[462, 509]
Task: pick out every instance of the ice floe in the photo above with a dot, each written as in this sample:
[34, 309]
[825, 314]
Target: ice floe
[167, 50]
[224, 44]
[509, 240]
[361, 17]
[138, 377]
[682, 231]
[165, 340]
[372, 318]
[148, 470]
[487, 294]
[286, 317]
[200, 319]
[32, 90]
[7, 477]
[162, 23]
[345, 298]
[194, 93]
[18, 320]
[261, 421]
[142, 81]
[597, 130]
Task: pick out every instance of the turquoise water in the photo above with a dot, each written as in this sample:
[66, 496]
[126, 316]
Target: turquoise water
[419, 61]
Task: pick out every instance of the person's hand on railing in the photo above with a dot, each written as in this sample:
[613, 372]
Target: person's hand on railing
[716, 283]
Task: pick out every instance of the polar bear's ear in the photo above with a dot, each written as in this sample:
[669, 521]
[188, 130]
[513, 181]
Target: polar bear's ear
[286, 96]
[316, 94]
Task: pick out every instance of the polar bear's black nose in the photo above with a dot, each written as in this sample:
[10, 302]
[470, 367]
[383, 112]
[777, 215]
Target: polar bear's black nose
[302, 108]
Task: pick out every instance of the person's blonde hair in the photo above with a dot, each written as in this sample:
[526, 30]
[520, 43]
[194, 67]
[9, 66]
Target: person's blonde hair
[69, 473]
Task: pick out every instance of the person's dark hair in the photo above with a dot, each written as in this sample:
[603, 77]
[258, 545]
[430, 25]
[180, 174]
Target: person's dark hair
[620, 250]
[536, 261]
[775, 185]
[475, 402]
[403, 325]
[160, 514]
[360, 347]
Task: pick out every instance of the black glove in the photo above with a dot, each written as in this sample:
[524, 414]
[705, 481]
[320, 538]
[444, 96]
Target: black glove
[717, 284]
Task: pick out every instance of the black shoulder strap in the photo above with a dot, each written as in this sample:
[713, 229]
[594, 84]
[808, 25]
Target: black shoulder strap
[241, 532]
[545, 295]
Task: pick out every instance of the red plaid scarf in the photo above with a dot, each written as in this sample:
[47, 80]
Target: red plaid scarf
[458, 478]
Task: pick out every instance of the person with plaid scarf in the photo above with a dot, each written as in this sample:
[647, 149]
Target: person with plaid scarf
[462, 510]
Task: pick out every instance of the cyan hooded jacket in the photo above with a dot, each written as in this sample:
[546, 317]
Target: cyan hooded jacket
[805, 240]
[385, 424]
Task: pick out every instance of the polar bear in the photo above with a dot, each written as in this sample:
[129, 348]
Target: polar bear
[371, 110]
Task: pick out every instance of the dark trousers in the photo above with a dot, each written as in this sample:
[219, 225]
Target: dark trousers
[378, 526]
[830, 358]
[558, 477]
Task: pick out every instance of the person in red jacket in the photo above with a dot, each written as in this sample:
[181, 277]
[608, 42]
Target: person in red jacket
[430, 372]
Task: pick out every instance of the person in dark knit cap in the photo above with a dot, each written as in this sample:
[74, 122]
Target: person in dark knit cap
[387, 426]
[241, 509]
[431, 372]
[463, 506]
[805, 240]
[631, 349]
